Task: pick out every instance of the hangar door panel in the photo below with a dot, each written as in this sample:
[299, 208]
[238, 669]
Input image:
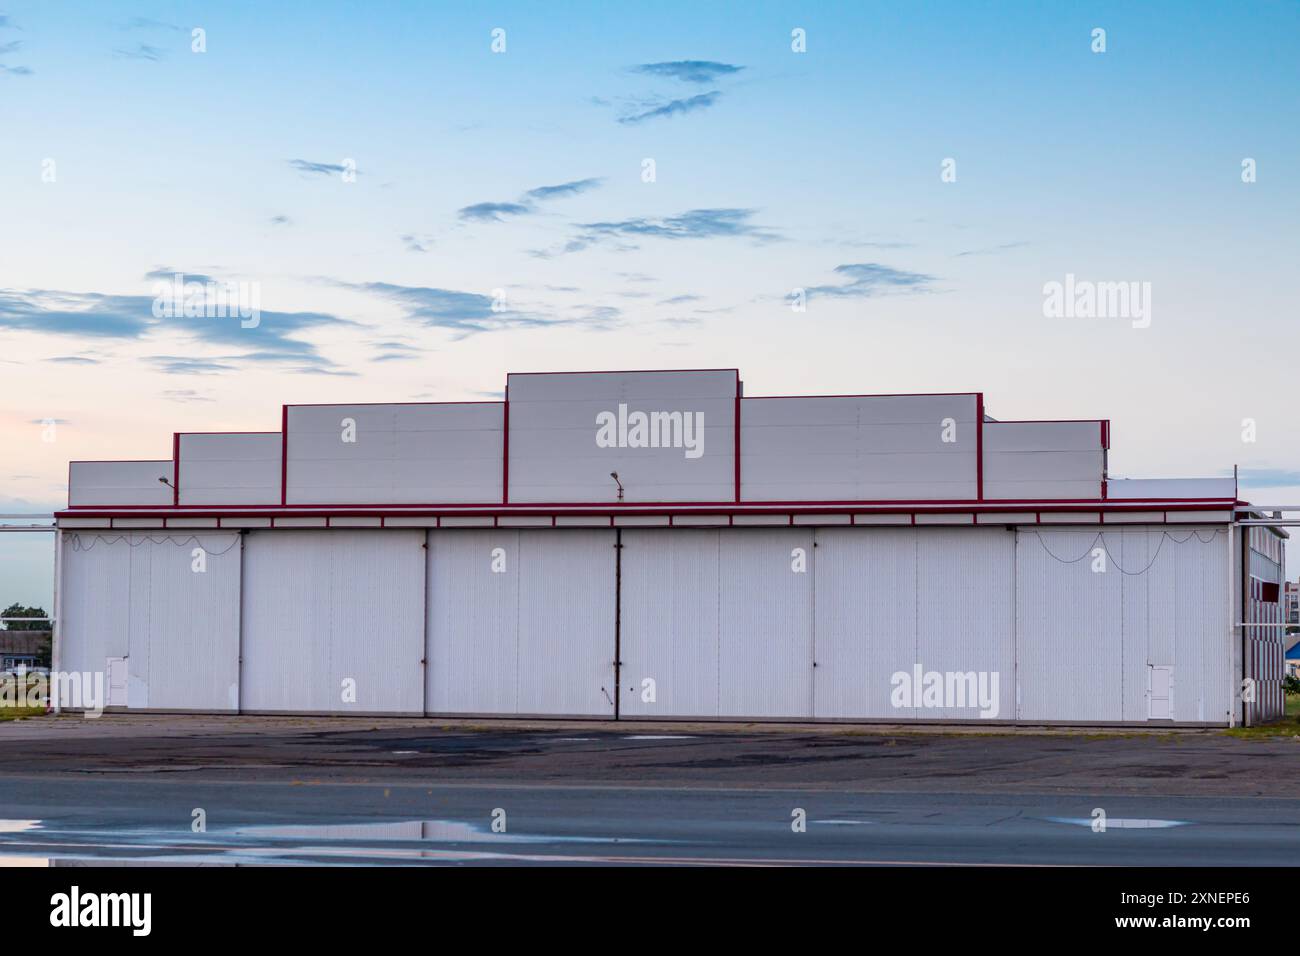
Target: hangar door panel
[866, 620]
[965, 628]
[1070, 623]
[566, 622]
[169, 616]
[473, 606]
[334, 621]
[184, 647]
[95, 599]
[765, 623]
[669, 623]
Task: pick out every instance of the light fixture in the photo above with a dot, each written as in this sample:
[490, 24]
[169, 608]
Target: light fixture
[614, 475]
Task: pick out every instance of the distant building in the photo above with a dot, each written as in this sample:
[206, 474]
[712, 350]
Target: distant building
[24, 648]
[1291, 601]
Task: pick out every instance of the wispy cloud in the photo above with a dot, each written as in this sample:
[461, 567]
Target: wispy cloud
[689, 71]
[564, 190]
[493, 211]
[144, 23]
[865, 279]
[181, 365]
[186, 395]
[141, 51]
[693, 224]
[320, 169]
[990, 250]
[469, 313]
[281, 221]
[415, 243]
[100, 315]
[76, 313]
[679, 107]
[73, 360]
[16, 70]
[167, 274]
[526, 205]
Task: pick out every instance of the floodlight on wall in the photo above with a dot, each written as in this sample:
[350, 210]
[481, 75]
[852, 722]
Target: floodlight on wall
[164, 481]
[614, 475]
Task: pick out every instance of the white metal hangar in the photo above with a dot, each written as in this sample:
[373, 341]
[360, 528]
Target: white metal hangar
[657, 544]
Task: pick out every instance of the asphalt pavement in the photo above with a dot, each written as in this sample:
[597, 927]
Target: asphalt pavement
[248, 790]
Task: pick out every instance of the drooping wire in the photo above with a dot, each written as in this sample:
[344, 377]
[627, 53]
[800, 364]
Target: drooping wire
[78, 545]
[1101, 536]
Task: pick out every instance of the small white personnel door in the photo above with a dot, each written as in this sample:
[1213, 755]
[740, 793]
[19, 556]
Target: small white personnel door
[116, 682]
[1160, 693]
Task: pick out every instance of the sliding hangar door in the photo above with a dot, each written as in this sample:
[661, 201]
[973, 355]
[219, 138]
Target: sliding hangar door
[521, 622]
[1062, 624]
[1125, 624]
[333, 621]
[156, 613]
[796, 623]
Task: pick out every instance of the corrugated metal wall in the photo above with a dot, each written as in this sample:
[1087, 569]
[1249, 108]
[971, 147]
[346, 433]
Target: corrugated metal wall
[670, 614]
[228, 468]
[748, 623]
[890, 601]
[139, 596]
[866, 448]
[1070, 626]
[473, 631]
[322, 607]
[566, 622]
[554, 454]
[765, 623]
[1087, 639]
[521, 622]
[391, 454]
[866, 619]
[966, 611]
[1043, 459]
[95, 595]
[119, 483]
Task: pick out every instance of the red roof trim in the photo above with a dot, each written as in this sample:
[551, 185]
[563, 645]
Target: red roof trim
[719, 508]
[756, 398]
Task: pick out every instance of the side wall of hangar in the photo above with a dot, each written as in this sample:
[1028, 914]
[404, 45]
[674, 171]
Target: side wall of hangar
[766, 558]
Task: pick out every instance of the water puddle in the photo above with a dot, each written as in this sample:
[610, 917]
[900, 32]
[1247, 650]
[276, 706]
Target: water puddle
[1122, 823]
[32, 843]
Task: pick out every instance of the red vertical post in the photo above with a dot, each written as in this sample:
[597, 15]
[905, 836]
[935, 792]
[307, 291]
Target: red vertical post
[505, 448]
[284, 453]
[736, 451]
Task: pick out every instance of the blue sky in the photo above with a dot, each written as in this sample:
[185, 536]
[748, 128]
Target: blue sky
[522, 172]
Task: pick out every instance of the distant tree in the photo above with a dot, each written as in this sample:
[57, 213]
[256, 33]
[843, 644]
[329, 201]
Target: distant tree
[17, 610]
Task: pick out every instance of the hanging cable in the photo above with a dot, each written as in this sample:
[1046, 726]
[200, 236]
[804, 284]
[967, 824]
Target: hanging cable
[77, 544]
[1101, 536]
